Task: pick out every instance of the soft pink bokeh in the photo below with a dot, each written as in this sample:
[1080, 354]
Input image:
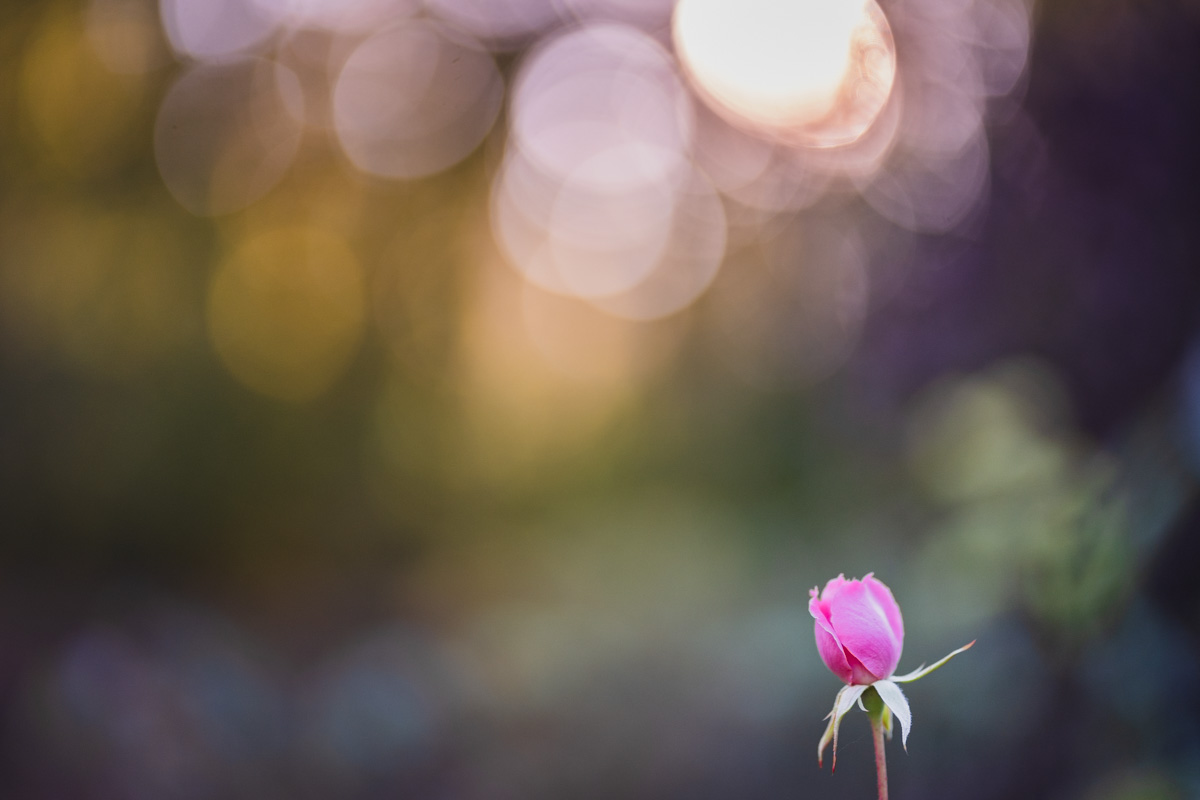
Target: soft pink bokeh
[859, 630]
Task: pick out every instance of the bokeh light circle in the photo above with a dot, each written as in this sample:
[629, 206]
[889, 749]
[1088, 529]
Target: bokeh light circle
[211, 30]
[569, 240]
[347, 16]
[126, 35]
[693, 254]
[590, 200]
[932, 193]
[285, 311]
[807, 72]
[502, 24]
[410, 101]
[227, 133]
[603, 91]
[649, 15]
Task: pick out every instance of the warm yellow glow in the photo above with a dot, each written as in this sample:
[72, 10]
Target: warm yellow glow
[543, 375]
[110, 298]
[285, 312]
[80, 112]
[125, 35]
[794, 68]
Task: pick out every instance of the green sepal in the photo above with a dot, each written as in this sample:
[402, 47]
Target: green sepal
[845, 700]
[922, 671]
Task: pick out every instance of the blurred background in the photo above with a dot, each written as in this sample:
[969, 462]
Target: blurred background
[457, 399]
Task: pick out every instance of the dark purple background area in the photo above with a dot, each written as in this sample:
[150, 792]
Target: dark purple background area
[1088, 256]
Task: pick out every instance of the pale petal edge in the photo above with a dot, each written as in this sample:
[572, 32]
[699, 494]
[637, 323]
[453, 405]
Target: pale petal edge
[922, 671]
[897, 703]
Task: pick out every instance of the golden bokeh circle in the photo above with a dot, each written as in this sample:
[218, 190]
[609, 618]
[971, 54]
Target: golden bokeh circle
[285, 312]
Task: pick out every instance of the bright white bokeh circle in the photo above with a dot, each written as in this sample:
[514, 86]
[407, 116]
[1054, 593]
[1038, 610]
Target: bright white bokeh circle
[814, 72]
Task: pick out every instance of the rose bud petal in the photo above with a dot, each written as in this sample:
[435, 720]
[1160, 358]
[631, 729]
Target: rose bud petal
[858, 628]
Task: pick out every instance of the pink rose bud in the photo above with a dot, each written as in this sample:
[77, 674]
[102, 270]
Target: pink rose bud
[858, 627]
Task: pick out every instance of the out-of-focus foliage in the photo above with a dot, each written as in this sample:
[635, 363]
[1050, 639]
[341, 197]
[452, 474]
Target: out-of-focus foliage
[458, 399]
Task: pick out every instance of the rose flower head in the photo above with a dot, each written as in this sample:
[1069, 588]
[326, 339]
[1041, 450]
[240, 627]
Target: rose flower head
[859, 630]
[860, 635]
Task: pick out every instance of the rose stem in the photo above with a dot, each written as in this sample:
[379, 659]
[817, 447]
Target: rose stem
[875, 708]
[880, 758]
